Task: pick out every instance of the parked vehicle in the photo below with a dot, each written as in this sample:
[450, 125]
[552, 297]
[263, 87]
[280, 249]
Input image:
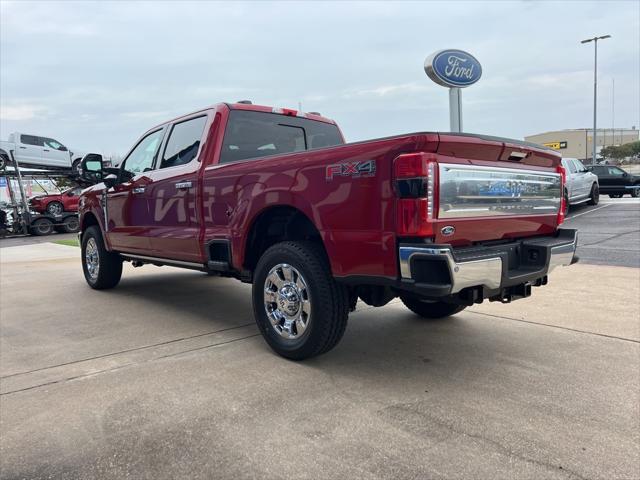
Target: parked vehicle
[616, 182]
[36, 151]
[56, 203]
[274, 197]
[582, 185]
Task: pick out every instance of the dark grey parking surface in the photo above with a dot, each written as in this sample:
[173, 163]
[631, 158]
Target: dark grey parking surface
[609, 234]
[32, 239]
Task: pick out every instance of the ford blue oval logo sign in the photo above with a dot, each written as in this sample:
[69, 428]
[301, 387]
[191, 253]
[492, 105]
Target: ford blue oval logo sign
[453, 68]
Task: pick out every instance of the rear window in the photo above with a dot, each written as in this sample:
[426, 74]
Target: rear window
[260, 134]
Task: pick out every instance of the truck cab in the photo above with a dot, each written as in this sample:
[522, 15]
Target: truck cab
[37, 151]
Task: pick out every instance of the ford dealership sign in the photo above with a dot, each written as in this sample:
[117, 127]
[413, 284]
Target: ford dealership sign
[453, 68]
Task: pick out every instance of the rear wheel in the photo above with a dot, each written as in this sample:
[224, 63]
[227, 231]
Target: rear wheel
[635, 192]
[300, 309]
[430, 310]
[102, 269]
[566, 203]
[70, 225]
[4, 161]
[75, 167]
[55, 208]
[42, 226]
[594, 197]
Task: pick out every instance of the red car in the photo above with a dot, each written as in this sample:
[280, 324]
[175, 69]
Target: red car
[276, 198]
[55, 204]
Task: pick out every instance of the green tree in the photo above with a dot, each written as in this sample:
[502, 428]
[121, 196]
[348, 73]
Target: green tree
[622, 151]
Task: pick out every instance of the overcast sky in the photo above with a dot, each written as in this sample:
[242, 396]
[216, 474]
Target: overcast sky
[95, 75]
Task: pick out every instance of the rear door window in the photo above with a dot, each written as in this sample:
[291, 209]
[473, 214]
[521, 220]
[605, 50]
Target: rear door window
[31, 140]
[251, 134]
[184, 142]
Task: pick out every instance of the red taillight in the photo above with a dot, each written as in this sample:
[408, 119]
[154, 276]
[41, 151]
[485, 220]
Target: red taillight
[415, 183]
[563, 200]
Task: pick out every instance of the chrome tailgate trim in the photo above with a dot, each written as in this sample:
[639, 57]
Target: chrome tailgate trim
[478, 191]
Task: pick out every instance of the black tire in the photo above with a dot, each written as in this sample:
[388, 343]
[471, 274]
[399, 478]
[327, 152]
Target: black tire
[635, 193]
[4, 161]
[329, 303]
[71, 224]
[55, 208]
[75, 166]
[41, 227]
[615, 195]
[431, 310]
[594, 197]
[109, 264]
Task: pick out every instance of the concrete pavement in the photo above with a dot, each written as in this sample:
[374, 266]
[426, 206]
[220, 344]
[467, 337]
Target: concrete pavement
[166, 377]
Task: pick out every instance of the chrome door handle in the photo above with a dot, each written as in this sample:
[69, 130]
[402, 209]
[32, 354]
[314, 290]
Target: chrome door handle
[45, 150]
[137, 190]
[183, 185]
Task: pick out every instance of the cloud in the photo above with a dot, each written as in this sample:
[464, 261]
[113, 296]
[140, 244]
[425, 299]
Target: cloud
[21, 112]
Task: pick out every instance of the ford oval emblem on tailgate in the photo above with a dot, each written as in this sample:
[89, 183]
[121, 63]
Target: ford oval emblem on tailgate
[448, 230]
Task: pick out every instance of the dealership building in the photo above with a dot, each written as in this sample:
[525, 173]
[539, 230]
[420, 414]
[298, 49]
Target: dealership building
[578, 143]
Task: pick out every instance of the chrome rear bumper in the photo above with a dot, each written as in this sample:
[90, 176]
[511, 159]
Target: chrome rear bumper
[492, 267]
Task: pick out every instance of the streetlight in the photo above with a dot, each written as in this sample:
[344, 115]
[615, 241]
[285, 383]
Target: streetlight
[595, 88]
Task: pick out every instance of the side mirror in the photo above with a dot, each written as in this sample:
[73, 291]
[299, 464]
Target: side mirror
[625, 174]
[110, 180]
[91, 170]
[62, 148]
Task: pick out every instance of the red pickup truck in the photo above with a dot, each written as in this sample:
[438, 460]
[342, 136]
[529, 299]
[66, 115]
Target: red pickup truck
[276, 198]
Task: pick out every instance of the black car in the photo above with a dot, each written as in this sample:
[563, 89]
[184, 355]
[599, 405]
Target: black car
[615, 182]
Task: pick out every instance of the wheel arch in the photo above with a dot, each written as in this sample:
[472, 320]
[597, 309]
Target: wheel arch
[274, 224]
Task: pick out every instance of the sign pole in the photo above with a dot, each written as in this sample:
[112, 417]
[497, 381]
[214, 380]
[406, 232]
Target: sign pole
[455, 109]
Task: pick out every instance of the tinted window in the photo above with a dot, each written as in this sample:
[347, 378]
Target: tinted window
[184, 142]
[615, 171]
[142, 157]
[568, 165]
[30, 140]
[259, 134]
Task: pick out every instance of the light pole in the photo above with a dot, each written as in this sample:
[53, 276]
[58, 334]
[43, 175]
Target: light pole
[595, 88]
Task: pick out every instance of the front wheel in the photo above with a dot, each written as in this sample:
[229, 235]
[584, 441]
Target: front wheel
[431, 310]
[635, 193]
[594, 197]
[300, 309]
[102, 269]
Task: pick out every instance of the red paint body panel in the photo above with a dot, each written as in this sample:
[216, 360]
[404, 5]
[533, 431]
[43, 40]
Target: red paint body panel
[355, 215]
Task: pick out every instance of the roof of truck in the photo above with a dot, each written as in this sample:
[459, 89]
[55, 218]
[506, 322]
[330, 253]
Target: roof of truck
[251, 107]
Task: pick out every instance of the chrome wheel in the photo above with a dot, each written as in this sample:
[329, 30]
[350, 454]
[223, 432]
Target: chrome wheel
[92, 258]
[55, 208]
[287, 301]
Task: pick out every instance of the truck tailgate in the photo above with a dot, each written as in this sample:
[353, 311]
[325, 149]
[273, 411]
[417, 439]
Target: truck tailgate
[491, 189]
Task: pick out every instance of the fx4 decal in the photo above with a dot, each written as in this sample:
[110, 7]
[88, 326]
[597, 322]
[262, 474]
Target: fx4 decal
[366, 168]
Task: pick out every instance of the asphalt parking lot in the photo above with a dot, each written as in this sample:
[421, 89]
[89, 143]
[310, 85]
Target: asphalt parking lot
[167, 377]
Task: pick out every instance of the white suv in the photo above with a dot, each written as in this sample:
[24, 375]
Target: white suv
[582, 185]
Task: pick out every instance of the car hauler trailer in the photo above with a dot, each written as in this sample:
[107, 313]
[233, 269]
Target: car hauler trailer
[18, 218]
